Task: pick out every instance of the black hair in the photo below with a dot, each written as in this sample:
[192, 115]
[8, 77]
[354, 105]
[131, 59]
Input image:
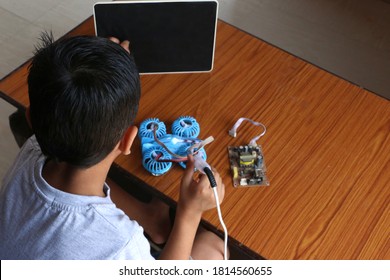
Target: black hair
[84, 93]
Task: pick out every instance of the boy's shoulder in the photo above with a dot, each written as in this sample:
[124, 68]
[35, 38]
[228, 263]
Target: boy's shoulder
[24, 161]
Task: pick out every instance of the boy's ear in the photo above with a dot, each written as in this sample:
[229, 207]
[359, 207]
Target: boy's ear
[127, 140]
[28, 116]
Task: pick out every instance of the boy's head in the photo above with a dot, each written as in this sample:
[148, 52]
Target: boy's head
[84, 94]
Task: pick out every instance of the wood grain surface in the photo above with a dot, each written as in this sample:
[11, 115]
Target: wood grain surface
[327, 148]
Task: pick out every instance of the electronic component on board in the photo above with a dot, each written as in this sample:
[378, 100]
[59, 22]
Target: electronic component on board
[247, 162]
[247, 166]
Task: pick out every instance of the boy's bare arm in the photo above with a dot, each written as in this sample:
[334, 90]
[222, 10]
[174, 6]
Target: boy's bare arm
[195, 198]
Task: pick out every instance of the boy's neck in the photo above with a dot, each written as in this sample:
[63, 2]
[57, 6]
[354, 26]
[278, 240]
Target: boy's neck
[75, 180]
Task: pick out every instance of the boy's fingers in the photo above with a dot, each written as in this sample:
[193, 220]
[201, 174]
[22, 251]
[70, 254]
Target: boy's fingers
[113, 39]
[189, 171]
[126, 45]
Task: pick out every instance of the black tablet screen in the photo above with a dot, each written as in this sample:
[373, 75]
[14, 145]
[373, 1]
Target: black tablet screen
[164, 36]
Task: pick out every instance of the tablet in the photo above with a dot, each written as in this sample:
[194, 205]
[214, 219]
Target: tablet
[165, 36]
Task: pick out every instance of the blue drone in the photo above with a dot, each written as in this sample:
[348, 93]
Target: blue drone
[160, 150]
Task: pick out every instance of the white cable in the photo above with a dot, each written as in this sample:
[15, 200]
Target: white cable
[222, 223]
[204, 167]
[233, 131]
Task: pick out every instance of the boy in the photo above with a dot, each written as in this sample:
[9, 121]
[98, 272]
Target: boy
[54, 203]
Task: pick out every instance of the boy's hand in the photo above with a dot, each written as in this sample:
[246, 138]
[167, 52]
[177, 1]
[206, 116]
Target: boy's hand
[196, 196]
[125, 44]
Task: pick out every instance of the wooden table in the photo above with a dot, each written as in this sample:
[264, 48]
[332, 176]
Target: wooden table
[327, 148]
